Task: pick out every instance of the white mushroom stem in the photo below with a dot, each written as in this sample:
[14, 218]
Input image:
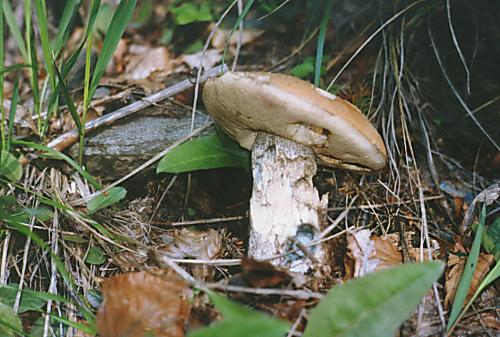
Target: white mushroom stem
[285, 207]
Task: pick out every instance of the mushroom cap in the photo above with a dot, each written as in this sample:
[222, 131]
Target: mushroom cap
[246, 103]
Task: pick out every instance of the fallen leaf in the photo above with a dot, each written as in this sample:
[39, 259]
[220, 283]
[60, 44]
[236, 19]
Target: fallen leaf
[259, 274]
[210, 59]
[142, 64]
[454, 272]
[143, 304]
[386, 251]
[362, 251]
[371, 253]
[221, 35]
[192, 244]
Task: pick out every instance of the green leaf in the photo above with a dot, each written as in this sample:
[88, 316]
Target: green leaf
[374, 305]
[491, 239]
[240, 321]
[10, 168]
[145, 13]
[470, 267]
[41, 213]
[30, 300]
[207, 152]
[105, 199]
[194, 47]
[96, 256]
[189, 12]
[303, 70]
[114, 33]
[9, 322]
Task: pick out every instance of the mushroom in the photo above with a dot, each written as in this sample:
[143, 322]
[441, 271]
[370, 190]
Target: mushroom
[289, 124]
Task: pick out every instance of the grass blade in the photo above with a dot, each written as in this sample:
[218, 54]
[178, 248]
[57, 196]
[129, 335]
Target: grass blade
[117, 27]
[244, 13]
[321, 42]
[41, 13]
[14, 29]
[69, 100]
[58, 155]
[61, 268]
[12, 113]
[69, 13]
[470, 267]
[2, 56]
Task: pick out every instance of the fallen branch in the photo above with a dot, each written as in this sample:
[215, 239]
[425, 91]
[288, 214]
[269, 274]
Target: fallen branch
[65, 140]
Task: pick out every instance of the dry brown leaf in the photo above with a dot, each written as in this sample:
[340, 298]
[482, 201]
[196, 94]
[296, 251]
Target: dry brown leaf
[119, 56]
[221, 35]
[145, 61]
[260, 274]
[210, 59]
[386, 251]
[362, 251]
[140, 303]
[187, 243]
[454, 273]
[372, 253]
[192, 244]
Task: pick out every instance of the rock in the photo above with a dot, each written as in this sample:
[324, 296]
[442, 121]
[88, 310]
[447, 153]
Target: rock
[115, 150]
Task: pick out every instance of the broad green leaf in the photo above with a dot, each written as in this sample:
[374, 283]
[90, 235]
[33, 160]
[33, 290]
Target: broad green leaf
[240, 321]
[10, 168]
[374, 305]
[189, 12]
[202, 153]
[105, 199]
[96, 256]
[7, 201]
[9, 322]
[468, 273]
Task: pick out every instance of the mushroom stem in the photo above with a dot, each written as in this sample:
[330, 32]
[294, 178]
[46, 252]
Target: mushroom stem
[285, 207]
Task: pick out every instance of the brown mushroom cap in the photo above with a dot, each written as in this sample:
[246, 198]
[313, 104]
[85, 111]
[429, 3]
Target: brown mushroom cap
[246, 103]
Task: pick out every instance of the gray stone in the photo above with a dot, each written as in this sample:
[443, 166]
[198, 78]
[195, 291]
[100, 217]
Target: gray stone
[115, 150]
